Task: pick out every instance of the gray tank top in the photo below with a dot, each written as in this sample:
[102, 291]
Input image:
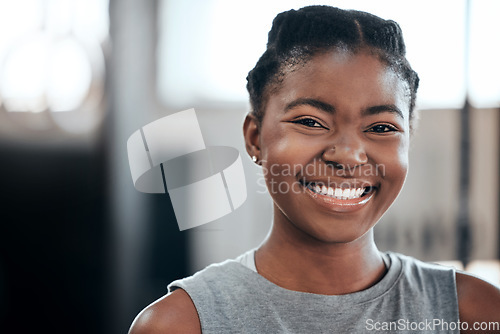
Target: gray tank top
[413, 296]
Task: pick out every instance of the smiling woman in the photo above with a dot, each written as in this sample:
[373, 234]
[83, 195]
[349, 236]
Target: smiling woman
[335, 112]
[332, 110]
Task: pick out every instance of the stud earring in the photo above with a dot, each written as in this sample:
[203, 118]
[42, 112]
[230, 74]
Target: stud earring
[254, 158]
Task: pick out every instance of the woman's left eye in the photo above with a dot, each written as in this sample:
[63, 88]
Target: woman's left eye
[382, 128]
[309, 122]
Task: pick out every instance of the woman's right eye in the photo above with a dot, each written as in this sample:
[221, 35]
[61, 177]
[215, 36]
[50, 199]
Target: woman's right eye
[309, 122]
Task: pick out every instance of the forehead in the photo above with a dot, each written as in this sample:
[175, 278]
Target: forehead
[346, 80]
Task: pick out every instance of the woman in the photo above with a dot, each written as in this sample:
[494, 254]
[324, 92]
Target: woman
[332, 110]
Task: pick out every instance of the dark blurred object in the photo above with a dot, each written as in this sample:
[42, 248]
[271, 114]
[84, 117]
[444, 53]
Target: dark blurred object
[53, 239]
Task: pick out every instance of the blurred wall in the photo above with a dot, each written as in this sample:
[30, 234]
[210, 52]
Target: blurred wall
[81, 251]
[147, 251]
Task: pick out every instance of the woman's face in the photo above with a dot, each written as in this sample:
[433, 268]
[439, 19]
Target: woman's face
[333, 145]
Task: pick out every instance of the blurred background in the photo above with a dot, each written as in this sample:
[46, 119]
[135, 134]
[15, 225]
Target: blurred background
[83, 252]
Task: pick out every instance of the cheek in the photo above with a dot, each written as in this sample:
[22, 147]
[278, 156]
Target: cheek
[391, 161]
[398, 165]
[280, 147]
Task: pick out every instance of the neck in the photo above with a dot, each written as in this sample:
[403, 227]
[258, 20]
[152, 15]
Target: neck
[309, 265]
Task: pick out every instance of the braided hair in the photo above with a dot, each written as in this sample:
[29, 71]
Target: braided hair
[298, 35]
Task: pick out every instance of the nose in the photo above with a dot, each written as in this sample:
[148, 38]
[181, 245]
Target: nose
[345, 153]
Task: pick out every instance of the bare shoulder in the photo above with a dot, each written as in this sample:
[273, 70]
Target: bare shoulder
[173, 313]
[478, 301]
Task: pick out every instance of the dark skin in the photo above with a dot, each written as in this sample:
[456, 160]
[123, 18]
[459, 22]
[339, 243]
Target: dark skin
[347, 116]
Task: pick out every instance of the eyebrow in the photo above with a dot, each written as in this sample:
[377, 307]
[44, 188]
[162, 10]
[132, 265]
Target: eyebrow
[383, 108]
[328, 108]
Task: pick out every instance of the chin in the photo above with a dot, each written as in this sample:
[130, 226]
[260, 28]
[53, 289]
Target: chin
[332, 231]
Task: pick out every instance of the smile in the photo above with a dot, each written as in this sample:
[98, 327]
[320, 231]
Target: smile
[337, 192]
[342, 199]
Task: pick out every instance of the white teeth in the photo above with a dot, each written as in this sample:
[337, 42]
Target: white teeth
[352, 194]
[345, 194]
[338, 193]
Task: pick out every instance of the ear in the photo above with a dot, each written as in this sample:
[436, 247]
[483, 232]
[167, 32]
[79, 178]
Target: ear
[251, 132]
